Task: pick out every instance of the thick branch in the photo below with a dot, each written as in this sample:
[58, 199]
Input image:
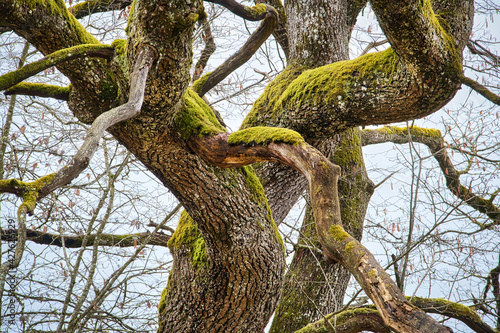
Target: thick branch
[285, 146]
[246, 52]
[419, 37]
[88, 50]
[89, 7]
[453, 310]
[40, 90]
[480, 89]
[434, 141]
[129, 240]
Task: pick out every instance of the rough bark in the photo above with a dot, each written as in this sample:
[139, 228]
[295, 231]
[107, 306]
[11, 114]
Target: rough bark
[228, 260]
[314, 287]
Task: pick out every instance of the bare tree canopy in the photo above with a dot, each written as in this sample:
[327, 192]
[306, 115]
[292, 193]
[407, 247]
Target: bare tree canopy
[303, 137]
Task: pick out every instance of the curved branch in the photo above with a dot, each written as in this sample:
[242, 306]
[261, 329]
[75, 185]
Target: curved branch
[423, 39]
[482, 90]
[87, 50]
[453, 310]
[89, 7]
[433, 139]
[367, 318]
[40, 90]
[109, 118]
[128, 240]
[280, 33]
[45, 185]
[286, 146]
[349, 321]
[246, 52]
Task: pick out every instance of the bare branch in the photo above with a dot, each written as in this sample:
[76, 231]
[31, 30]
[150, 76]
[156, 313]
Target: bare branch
[480, 89]
[87, 50]
[128, 110]
[433, 139]
[476, 48]
[127, 240]
[280, 33]
[373, 45]
[251, 46]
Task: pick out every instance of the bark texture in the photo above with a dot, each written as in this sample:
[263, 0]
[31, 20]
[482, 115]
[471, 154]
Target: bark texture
[228, 256]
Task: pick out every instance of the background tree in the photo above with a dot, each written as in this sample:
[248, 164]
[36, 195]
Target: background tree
[228, 261]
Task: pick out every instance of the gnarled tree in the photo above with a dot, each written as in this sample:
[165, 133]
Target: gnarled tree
[229, 270]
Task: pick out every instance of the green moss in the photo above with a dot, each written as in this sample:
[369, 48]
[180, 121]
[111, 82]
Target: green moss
[9, 79]
[198, 84]
[58, 7]
[109, 90]
[265, 135]
[40, 89]
[196, 117]
[447, 306]
[413, 131]
[187, 234]
[31, 190]
[259, 197]
[55, 6]
[272, 93]
[256, 10]
[338, 233]
[352, 184]
[441, 27]
[334, 83]
[350, 246]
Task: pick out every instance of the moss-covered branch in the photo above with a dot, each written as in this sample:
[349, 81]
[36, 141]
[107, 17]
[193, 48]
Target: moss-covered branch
[269, 23]
[29, 191]
[368, 318]
[89, 7]
[88, 50]
[482, 90]
[349, 321]
[450, 309]
[40, 90]
[128, 240]
[338, 245]
[433, 139]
